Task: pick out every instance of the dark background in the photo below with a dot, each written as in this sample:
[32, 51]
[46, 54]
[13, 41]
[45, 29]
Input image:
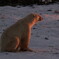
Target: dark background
[24, 2]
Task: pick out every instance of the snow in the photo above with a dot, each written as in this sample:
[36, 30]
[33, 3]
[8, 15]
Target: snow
[44, 36]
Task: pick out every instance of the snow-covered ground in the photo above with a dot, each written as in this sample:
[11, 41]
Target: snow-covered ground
[45, 34]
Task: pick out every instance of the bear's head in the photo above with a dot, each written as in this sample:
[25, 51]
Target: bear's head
[35, 18]
[32, 19]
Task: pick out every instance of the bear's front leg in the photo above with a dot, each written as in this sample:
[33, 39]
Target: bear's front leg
[25, 40]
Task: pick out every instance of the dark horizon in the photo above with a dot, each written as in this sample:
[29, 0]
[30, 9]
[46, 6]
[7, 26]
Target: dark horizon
[26, 2]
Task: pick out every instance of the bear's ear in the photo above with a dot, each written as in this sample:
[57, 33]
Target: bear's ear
[35, 15]
[32, 14]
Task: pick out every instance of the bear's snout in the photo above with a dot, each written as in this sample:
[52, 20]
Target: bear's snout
[40, 18]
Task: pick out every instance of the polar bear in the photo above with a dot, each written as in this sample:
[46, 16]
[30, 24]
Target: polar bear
[17, 37]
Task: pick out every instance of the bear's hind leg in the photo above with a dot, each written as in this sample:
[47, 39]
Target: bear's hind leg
[12, 46]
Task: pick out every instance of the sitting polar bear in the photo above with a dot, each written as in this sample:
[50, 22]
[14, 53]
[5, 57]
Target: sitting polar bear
[17, 37]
